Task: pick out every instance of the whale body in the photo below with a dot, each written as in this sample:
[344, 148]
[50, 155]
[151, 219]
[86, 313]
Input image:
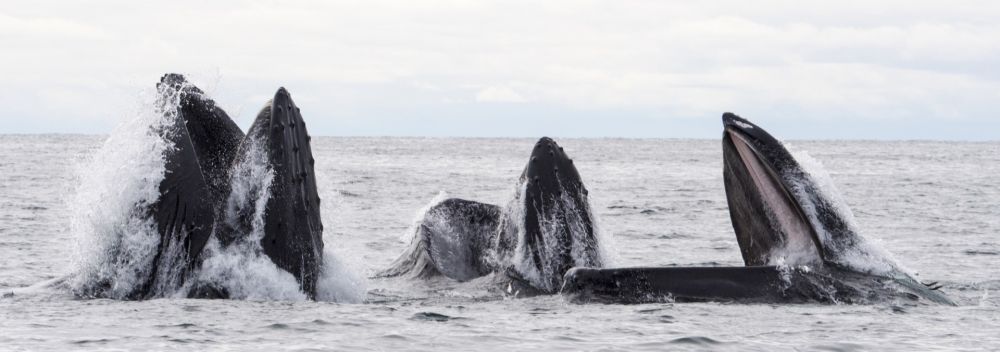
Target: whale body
[795, 237]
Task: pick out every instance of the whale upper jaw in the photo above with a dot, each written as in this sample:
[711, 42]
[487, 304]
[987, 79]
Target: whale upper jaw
[551, 170]
[770, 224]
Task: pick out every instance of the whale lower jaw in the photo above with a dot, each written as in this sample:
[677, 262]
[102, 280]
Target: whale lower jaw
[750, 284]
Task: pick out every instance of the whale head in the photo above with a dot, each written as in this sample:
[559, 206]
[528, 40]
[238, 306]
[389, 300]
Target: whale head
[275, 163]
[768, 216]
[552, 225]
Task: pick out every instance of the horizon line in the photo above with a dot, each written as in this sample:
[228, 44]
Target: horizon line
[26, 134]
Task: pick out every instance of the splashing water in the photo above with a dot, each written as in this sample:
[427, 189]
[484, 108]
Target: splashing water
[415, 261]
[115, 237]
[241, 269]
[607, 247]
[816, 190]
[340, 282]
[564, 221]
[420, 216]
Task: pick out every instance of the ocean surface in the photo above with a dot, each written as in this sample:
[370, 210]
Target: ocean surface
[934, 205]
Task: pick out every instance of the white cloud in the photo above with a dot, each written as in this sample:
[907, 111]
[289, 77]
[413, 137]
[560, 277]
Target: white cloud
[499, 95]
[353, 60]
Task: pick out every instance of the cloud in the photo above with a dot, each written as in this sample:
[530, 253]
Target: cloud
[499, 95]
[41, 27]
[371, 61]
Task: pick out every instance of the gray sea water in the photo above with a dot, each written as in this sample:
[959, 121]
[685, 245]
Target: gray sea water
[934, 205]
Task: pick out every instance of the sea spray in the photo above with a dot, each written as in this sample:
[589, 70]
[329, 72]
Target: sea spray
[563, 225]
[115, 237]
[119, 251]
[815, 190]
[240, 269]
[418, 218]
[340, 282]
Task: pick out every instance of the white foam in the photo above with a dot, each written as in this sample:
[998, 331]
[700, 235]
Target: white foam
[418, 218]
[244, 272]
[115, 238]
[542, 274]
[606, 245]
[241, 268]
[866, 254]
[339, 281]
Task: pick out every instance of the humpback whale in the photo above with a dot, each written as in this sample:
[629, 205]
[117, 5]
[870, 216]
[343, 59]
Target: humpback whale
[195, 180]
[546, 229]
[796, 239]
[292, 226]
[203, 197]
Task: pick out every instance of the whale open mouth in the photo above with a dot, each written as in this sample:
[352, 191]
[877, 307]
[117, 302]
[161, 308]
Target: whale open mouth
[768, 219]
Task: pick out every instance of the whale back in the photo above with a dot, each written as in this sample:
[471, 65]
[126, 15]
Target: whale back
[452, 239]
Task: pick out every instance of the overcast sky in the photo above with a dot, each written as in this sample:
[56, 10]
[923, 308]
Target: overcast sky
[837, 69]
